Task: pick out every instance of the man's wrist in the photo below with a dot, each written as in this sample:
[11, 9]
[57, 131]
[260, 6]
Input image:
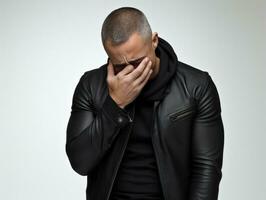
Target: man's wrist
[122, 106]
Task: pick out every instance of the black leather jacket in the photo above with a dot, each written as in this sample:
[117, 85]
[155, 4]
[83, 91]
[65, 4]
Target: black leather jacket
[188, 135]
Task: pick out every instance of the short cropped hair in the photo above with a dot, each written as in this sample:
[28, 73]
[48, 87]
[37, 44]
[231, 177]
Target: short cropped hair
[121, 23]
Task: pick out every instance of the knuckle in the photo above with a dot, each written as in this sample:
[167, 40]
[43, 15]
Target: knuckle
[135, 84]
[119, 77]
[126, 80]
[130, 67]
[138, 70]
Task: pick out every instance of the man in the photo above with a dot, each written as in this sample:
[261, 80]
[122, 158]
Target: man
[145, 125]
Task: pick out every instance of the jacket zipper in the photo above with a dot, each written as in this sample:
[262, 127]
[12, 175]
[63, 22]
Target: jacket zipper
[155, 152]
[120, 159]
[179, 114]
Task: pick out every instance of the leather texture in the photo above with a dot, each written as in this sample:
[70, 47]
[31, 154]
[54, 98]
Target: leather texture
[187, 137]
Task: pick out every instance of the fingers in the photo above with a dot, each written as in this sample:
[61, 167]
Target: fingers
[146, 79]
[139, 70]
[143, 76]
[128, 69]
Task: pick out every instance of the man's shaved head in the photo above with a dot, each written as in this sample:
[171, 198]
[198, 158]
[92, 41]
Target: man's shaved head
[121, 23]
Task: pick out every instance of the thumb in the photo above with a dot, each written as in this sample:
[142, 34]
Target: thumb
[110, 68]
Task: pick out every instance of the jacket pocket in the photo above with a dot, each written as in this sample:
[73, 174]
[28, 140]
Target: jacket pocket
[183, 112]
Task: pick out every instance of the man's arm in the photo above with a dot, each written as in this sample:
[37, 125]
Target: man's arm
[207, 145]
[90, 133]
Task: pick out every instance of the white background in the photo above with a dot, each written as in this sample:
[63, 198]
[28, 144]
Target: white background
[45, 47]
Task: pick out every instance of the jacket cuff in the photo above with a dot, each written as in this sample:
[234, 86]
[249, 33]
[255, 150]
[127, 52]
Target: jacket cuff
[119, 115]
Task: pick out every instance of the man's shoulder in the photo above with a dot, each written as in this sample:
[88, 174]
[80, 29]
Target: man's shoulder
[196, 79]
[92, 82]
[191, 73]
[94, 76]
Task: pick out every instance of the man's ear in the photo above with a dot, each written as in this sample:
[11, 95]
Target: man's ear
[155, 40]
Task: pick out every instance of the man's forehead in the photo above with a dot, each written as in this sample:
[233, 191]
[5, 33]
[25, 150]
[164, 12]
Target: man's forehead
[121, 54]
[134, 48]
[125, 60]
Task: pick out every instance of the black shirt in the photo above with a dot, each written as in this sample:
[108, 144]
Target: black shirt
[138, 177]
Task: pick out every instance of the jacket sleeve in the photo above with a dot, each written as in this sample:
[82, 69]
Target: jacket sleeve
[207, 145]
[90, 133]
